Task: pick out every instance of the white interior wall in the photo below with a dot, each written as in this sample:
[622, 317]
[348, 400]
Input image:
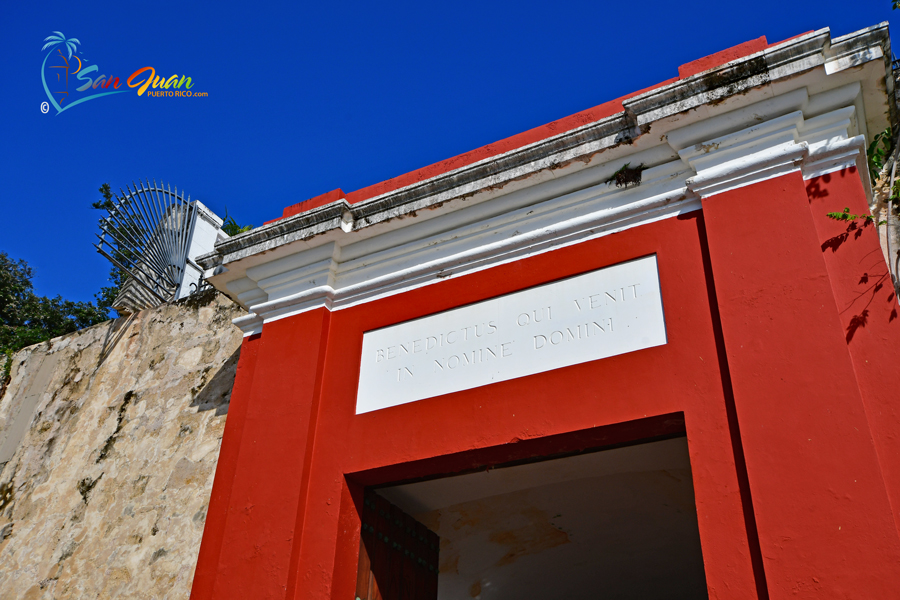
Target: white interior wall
[613, 524]
[206, 233]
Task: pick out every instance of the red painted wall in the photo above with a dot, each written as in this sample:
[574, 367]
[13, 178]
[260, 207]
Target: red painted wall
[868, 311]
[220, 498]
[262, 482]
[791, 497]
[822, 509]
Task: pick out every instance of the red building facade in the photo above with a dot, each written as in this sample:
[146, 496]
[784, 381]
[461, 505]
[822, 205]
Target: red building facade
[726, 427]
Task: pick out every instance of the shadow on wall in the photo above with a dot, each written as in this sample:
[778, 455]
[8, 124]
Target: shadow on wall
[871, 284]
[874, 285]
[834, 243]
[215, 394]
[113, 336]
[874, 280]
[814, 188]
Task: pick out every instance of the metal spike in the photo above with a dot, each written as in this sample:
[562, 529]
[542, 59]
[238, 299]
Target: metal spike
[134, 277]
[133, 235]
[158, 268]
[161, 240]
[147, 235]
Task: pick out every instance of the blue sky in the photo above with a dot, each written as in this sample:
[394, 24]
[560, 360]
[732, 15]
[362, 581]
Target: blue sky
[308, 97]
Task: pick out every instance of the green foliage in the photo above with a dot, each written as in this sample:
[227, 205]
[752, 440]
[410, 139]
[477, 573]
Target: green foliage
[106, 203]
[627, 175]
[26, 318]
[231, 227]
[846, 215]
[878, 152]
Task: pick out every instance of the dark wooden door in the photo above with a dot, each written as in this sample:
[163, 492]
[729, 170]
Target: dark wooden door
[398, 556]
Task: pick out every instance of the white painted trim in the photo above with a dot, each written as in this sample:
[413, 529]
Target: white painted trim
[837, 156]
[853, 60]
[470, 262]
[747, 170]
[645, 121]
[346, 272]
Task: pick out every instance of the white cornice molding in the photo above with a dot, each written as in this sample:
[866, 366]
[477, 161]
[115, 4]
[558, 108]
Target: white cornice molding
[747, 170]
[718, 89]
[322, 277]
[763, 151]
[835, 143]
[558, 222]
[341, 255]
[837, 155]
[773, 148]
[537, 220]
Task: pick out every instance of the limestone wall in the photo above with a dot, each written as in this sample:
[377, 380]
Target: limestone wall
[104, 493]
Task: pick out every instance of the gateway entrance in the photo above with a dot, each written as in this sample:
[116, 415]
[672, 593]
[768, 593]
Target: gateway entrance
[618, 523]
[462, 341]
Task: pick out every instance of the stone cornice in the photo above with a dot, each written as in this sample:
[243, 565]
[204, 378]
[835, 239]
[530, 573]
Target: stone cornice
[773, 147]
[341, 255]
[713, 86]
[785, 60]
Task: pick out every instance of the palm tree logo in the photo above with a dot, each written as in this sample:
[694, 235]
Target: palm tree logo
[60, 65]
[70, 45]
[59, 37]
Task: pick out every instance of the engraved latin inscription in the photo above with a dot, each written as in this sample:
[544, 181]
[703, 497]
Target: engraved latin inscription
[588, 317]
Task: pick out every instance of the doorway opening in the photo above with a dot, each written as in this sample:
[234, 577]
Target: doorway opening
[618, 523]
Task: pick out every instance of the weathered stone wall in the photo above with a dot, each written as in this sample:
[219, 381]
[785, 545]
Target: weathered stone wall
[889, 230]
[105, 495]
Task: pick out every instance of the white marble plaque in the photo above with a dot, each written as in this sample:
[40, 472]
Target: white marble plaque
[596, 315]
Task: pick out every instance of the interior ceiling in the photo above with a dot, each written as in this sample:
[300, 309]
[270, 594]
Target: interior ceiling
[613, 524]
